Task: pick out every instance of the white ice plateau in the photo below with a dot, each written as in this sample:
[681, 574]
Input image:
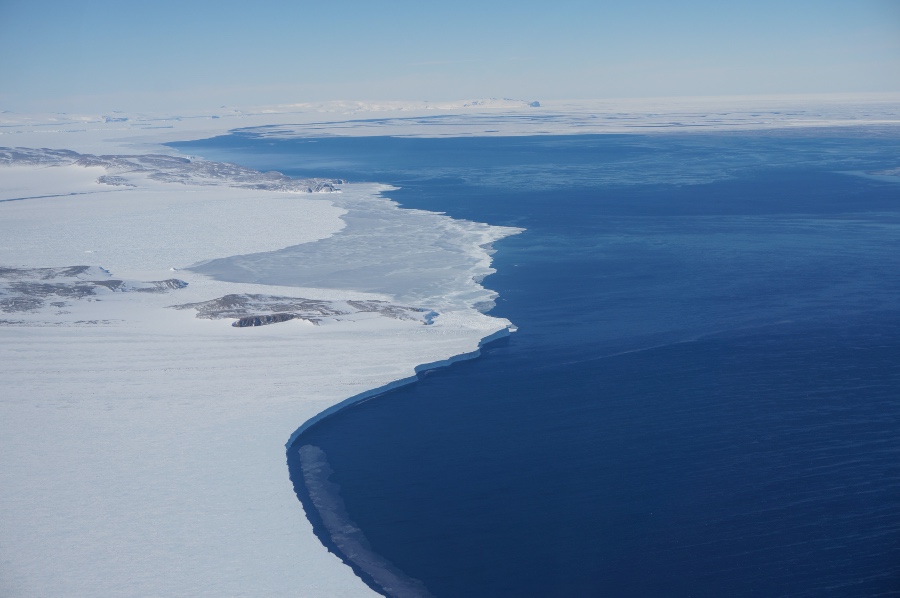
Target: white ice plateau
[146, 404]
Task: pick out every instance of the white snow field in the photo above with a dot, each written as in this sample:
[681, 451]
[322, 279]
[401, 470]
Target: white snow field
[143, 445]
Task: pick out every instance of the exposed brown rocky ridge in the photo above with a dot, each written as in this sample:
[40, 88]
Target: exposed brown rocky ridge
[27, 290]
[260, 310]
[48, 292]
[167, 168]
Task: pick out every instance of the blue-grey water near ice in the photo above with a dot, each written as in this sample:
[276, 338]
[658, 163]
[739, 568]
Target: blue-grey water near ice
[703, 398]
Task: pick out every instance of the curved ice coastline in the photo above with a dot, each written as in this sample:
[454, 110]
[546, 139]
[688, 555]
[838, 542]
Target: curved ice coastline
[420, 258]
[196, 381]
[310, 471]
[374, 392]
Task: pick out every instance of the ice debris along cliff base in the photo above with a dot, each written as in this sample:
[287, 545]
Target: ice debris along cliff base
[146, 402]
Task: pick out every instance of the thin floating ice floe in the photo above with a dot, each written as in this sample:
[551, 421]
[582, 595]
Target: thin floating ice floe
[420, 258]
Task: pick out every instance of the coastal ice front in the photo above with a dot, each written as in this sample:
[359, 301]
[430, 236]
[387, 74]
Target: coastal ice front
[166, 325]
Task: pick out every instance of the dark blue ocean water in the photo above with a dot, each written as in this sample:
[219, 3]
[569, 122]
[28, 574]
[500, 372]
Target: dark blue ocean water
[703, 398]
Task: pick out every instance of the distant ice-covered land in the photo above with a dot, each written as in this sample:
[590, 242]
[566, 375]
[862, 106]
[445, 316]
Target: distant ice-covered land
[104, 132]
[167, 322]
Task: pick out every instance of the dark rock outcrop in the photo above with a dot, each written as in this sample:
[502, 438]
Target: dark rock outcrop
[263, 320]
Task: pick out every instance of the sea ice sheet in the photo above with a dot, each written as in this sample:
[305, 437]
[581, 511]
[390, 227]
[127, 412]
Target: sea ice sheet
[144, 446]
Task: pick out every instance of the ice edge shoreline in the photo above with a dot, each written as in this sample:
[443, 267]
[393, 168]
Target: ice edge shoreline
[408, 587]
[501, 327]
[374, 392]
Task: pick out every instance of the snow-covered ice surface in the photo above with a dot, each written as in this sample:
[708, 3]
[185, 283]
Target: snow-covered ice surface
[419, 257]
[142, 432]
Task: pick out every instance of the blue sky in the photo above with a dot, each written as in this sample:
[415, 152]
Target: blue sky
[104, 55]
